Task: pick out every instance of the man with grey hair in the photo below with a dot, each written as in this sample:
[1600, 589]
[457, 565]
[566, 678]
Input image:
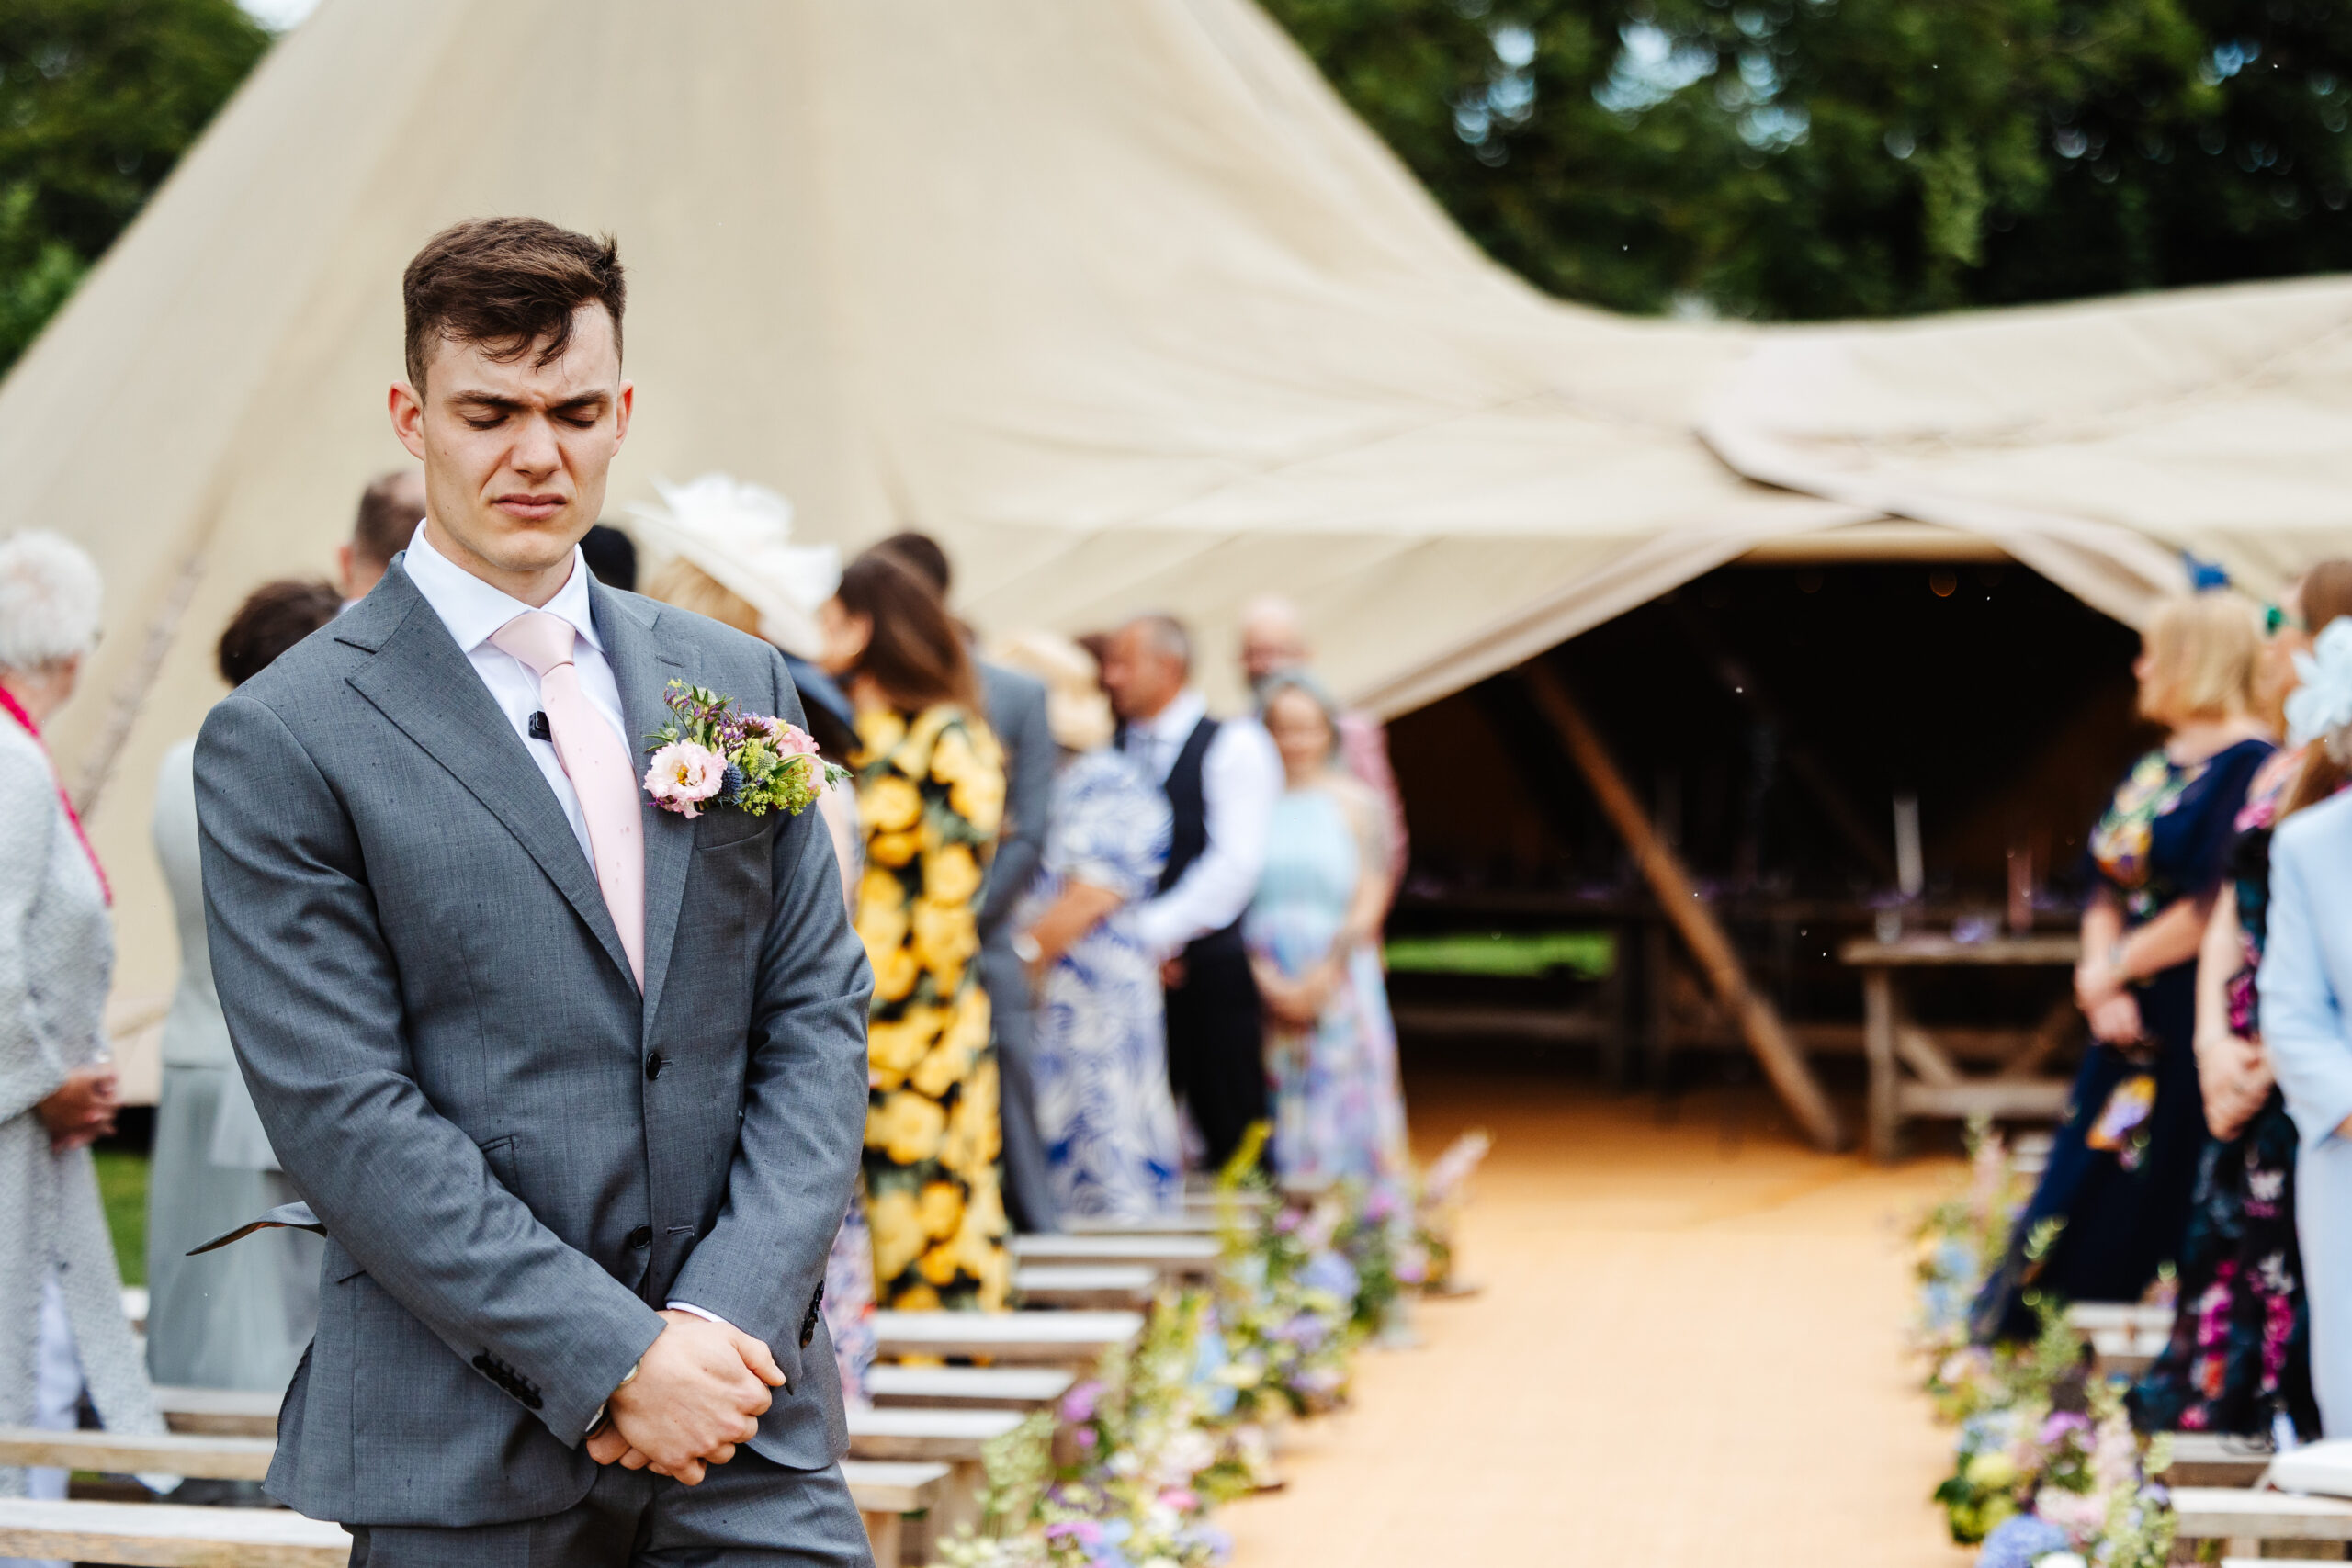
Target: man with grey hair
[1274, 640]
[1223, 778]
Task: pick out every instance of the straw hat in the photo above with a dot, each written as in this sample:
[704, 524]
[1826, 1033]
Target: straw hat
[1076, 708]
[742, 535]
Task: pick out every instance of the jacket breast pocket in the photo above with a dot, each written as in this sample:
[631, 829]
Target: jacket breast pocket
[723, 830]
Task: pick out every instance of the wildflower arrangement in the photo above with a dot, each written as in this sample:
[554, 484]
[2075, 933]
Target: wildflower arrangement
[2060, 1479]
[1127, 1474]
[1286, 1304]
[1428, 1258]
[1956, 1244]
[712, 754]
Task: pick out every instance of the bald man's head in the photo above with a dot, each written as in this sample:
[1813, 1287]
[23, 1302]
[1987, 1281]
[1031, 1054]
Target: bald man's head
[1273, 639]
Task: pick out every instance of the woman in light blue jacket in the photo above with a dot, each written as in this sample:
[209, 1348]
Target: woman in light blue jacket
[2305, 980]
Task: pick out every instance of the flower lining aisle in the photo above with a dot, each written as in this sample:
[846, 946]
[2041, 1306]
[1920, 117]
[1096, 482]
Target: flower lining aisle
[2046, 1468]
[1128, 1470]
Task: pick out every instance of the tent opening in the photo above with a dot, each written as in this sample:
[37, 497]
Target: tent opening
[1768, 716]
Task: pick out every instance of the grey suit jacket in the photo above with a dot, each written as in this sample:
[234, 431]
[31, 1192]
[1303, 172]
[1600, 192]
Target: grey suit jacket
[1017, 714]
[517, 1159]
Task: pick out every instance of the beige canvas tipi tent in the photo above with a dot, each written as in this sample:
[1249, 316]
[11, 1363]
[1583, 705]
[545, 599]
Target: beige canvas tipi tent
[1116, 299]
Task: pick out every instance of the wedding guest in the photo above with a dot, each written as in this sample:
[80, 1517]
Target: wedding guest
[611, 555]
[238, 1317]
[1314, 935]
[1104, 1105]
[1274, 639]
[2302, 987]
[1016, 712]
[2124, 1163]
[2239, 1359]
[61, 1325]
[390, 509]
[1221, 778]
[930, 796]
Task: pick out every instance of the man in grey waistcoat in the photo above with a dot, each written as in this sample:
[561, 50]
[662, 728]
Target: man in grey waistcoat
[1016, 706]
[575, 1084]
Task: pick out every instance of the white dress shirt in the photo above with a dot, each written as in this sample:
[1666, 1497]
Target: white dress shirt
[1241, 778]
[473, 611]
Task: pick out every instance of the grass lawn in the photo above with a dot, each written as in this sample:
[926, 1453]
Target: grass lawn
[122, 1186]
[1588, 955]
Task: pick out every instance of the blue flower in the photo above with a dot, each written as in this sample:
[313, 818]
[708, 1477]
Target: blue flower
[2015, 1544]
[1329, 1271]
[733, 784]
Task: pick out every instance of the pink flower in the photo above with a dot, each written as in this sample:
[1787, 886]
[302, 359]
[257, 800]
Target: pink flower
[789, 740]
[683, 773]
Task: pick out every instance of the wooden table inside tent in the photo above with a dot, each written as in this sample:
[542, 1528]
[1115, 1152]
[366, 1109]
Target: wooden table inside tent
[1913, 1076]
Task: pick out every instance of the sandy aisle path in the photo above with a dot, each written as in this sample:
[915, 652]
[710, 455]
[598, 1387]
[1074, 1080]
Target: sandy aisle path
[1687, 1355]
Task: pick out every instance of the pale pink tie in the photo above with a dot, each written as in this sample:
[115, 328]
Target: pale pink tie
[599, 768]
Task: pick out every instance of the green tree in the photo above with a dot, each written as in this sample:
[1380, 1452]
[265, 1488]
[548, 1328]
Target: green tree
[98, 98]
[1815, 158]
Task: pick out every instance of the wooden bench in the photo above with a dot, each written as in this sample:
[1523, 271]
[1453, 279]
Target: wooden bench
[2211, 1459]
[122, 1453]
[168, 1535]
[219, 1412]
[1032, 1338]
[2124, 1336]
[883, 1486]
[1175, 1257]
[967, 1388]
[1191, 1221]
[2243, 1520]
[952, 1437]
[885, 1491]
[1082, 1286]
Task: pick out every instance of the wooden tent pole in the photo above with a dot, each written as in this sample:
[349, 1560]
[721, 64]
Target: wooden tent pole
[1766, 1036]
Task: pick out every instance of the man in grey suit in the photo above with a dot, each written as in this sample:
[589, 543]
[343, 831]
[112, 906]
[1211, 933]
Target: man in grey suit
[1017, 713]
[575, 1085]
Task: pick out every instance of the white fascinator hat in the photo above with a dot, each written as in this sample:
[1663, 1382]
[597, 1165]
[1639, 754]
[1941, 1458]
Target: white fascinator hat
[2320, 708]
[741, 536]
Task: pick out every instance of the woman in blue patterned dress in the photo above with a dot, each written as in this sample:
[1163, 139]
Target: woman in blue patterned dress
[1313, 932]
[1104, 1105]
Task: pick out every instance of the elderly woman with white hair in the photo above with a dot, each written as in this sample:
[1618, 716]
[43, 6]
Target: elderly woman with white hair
[62, 1324]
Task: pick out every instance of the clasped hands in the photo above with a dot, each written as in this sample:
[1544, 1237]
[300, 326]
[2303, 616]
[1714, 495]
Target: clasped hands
[80, 1110]
[700, 1389]
[2101, 991]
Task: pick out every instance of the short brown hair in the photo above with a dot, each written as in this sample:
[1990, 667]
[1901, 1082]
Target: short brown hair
[507, 284]
[273, 618]
[384, 525]
[916, 652]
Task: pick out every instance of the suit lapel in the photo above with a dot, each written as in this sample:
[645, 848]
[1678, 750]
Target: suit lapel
[423, 682]
[643, 668]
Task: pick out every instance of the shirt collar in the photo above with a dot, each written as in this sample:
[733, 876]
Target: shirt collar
[1175, 721]
[474, 610]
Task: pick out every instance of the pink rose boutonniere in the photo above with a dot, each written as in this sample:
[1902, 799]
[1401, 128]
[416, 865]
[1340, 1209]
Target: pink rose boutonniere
[712, 755]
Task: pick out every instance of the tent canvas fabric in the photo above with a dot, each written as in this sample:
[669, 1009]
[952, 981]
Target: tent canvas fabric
[1117, 300]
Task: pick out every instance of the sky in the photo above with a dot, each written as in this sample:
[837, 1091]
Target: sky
[278, 14]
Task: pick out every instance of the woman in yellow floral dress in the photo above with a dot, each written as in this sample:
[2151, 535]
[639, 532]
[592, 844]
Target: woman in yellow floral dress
[930, 796]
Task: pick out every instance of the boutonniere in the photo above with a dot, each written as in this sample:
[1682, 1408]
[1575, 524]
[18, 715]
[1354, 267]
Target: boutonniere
[712, 754]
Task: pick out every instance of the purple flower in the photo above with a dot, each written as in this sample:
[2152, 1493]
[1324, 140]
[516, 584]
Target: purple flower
[1079, 1403]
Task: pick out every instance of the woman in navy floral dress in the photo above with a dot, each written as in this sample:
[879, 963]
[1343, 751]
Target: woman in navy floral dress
[2112, 1204]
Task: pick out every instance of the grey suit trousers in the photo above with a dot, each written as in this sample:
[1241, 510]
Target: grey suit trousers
[638, 1519]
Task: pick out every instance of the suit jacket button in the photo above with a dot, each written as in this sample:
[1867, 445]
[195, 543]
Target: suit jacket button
[654, 1064]
[642, 1237]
